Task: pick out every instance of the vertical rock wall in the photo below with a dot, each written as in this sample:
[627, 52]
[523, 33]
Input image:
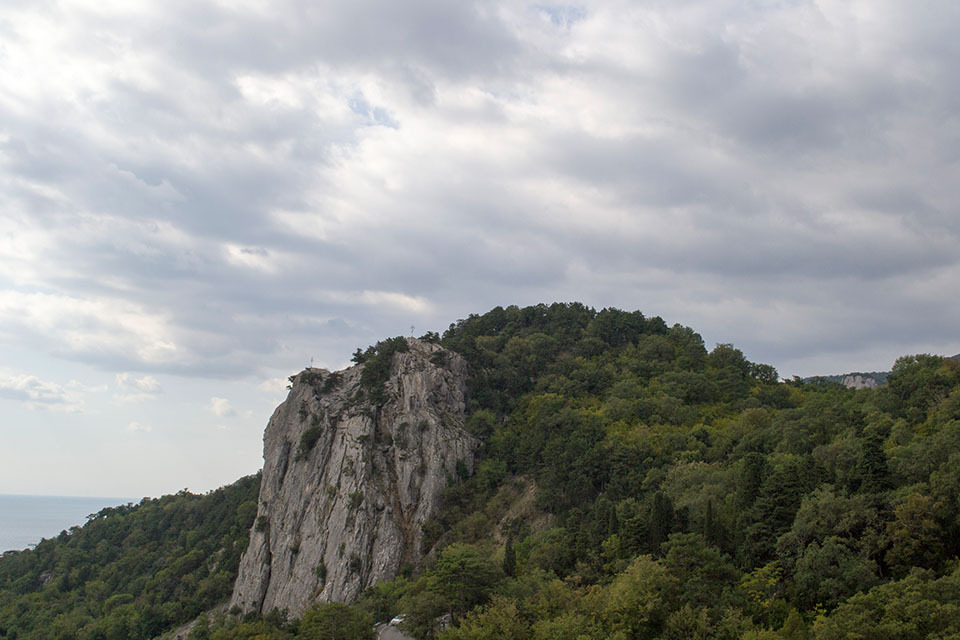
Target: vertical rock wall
[347, 485]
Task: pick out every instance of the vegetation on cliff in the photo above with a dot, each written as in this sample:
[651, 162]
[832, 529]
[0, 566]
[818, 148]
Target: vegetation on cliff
[690, 494]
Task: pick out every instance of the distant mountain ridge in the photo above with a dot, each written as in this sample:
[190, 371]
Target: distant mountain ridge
[860, 379]
[855, 380]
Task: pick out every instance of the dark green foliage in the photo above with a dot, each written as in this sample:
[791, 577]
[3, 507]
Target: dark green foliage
[829, 573]
[356, 563]
[431, 336]
[323, 621]
[706, 577]
[661, 521]
[872, 467]
[463, 577]
[915, 608]
[131, 571]
[308, 440]
[355, 500]
[377, 361]
[638, 439]
[311, 377]
[510, 558]
[336, 621]
[332, 382]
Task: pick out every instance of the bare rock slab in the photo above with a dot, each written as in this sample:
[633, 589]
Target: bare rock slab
[348, 484]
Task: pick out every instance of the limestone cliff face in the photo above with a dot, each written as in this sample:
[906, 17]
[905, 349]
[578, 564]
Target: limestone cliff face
[859, 381]
[348, 485]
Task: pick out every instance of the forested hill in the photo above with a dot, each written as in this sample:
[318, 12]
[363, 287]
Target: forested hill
[131, 571]
[633, 484]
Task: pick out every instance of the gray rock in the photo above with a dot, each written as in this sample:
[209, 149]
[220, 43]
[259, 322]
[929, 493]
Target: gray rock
[390, 632]
[340, 514]
[859, 381]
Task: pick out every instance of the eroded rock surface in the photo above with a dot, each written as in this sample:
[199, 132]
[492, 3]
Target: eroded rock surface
[348, 485]
[859, 381]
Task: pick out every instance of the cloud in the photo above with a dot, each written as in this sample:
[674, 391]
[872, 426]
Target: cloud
[221, 407]
[41, 394]
[78, 328]
[146, 384]
[739, 168]
[84, 388]
[136, 427]
[274, 385]
[134, 389]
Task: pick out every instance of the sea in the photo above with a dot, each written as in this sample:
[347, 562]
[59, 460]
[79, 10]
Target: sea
[26, 520]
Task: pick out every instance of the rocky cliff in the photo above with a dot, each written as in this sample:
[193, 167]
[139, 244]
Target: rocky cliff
[352, 469]
[859, 381]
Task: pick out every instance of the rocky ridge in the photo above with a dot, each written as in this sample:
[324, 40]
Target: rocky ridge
[348, 483]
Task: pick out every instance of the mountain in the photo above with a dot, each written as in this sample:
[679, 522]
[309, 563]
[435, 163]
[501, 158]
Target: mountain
[855, 380]
[859, 379]
[545, 472]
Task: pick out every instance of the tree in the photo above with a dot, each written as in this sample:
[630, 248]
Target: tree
[463, 577]
[661, 520]
[639, 600]
[916, 538]
[336, 621]
[829, 573]
[915, 608]
[872, 466]
[510, 558]
[703, 573]
[500, 620]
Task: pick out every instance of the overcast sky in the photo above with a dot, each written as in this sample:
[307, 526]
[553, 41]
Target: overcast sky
[198, 199]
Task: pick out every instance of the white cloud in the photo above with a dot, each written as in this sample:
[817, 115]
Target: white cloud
[133, 389]
[146, 384]
[274, 385]
[78, 327]
[400, 301]
[221, 407]
[40, 394]
[136, 427]
[84, 388]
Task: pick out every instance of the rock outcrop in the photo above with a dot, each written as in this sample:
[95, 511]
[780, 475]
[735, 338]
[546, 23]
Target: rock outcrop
[859, 381]
[348, 484]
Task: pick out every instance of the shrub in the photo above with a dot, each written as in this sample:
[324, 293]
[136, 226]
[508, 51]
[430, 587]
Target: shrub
[308, 440]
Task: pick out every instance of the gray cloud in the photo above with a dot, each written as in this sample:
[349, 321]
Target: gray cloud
[221, 192]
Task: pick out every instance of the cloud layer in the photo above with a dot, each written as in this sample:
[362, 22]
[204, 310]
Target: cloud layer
[225, 191]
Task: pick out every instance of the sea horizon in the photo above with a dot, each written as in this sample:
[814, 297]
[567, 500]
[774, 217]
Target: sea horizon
[25, 519]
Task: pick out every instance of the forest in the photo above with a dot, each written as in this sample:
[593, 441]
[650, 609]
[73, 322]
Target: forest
[631, 484]
[131, 571]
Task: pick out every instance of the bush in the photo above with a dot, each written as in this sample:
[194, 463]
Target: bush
[308, 440]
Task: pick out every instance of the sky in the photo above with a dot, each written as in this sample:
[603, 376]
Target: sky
[198, 199]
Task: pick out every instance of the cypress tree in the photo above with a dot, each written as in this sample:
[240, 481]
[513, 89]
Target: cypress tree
[709, 533]
[872, 466]
[661, 521]
[510, 558]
